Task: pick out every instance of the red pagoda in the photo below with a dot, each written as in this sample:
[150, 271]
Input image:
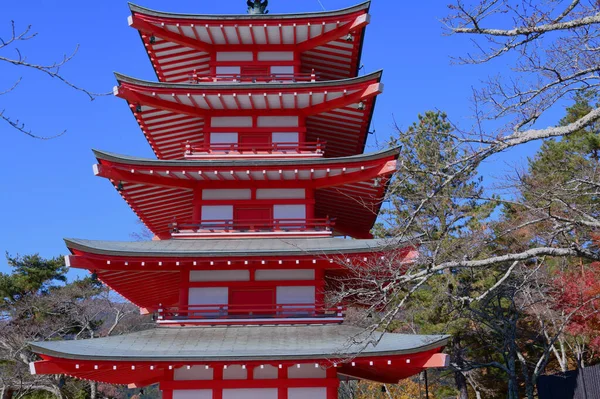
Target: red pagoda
[259, 123]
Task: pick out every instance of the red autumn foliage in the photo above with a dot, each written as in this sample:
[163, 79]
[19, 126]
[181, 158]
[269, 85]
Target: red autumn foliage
[578, 292]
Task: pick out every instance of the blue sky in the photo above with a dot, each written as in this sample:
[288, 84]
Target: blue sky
[48, 190]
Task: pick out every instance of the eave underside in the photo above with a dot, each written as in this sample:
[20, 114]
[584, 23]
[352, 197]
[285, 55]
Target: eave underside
[172, 115]
[349, 190]
[182, 45]
[150, 273]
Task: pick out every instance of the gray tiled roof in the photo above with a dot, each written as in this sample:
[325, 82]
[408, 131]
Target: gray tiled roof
[233, 247]
[108, 156]
[220, 17]
[237, 342]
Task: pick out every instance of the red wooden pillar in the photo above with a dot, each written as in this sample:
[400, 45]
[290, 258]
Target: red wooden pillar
[332, 391]
[310, 203]
[168, 393]
[218, 376]
[184, 288]
[319, 286]
[197, 204]
[301, 129]
[282, 375]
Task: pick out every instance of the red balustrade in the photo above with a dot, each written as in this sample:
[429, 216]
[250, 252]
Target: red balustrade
[246, 311]
[255, 225]
[269, 78]
[316, 147]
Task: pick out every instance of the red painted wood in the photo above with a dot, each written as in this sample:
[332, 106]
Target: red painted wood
[241, 384]
[263, 298]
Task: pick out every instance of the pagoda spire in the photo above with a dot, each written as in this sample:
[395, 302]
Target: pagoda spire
[257, 7]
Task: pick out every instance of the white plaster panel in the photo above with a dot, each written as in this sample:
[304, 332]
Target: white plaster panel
[277, 193]
[231, 121]
[217, 212]
[193, 373]
[226, 194]
[256, 393]
[268, 372]
[192, 394]
[289, 212]
[228, 70]
[276, 56]
[285, 137]
[223, 138]
[284, 274]
[286, 70]
[208, 296]
[277, 121]
[306, 371]
[220, 275]
[235, 372]
[302, 393]
[234, 55]
[296, 295]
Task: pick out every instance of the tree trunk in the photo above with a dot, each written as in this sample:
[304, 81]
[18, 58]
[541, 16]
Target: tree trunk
[459, 378]
[93, 389]
[461, 385]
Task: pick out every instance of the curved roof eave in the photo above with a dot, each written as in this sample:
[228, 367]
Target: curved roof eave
[259, 343]
[259, 17]
[121, 78]
[129, 160]
[246, 247]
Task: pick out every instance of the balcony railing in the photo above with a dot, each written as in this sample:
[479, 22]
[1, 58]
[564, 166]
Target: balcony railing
[318, 227]
[315, 148]
[229, 312]
[269, 78]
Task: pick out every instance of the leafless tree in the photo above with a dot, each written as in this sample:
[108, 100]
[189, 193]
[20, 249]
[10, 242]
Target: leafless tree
[51, 70]
[75, 311]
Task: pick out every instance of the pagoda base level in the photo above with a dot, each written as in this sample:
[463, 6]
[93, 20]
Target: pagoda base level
[255, 321]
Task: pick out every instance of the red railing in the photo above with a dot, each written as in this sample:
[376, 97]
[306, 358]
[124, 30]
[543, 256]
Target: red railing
[270, 78]
[254, 225]
[245, 311]
[316, 147]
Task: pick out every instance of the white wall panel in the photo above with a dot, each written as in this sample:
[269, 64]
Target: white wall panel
[235, 372]
[192, 394]
[193, 373]
[306, 371]
[234, 56]
[226, 194]
[286, 70]
[228, 70]
[289, 211]
[295, 295]
[278, 193]
[231, 121]
[217, 212]
[257, 393]
[303, 393]
[268, 372]
[208, 296]
[275, 55]
[284, 274]
[277, 121]
[285, 137]
[223, 138]
[220, 275]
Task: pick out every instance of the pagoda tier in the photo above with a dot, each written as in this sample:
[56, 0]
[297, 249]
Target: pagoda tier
[298, 197]
[157, 275]
[329, 118]
[243, 357]
[182, 45]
